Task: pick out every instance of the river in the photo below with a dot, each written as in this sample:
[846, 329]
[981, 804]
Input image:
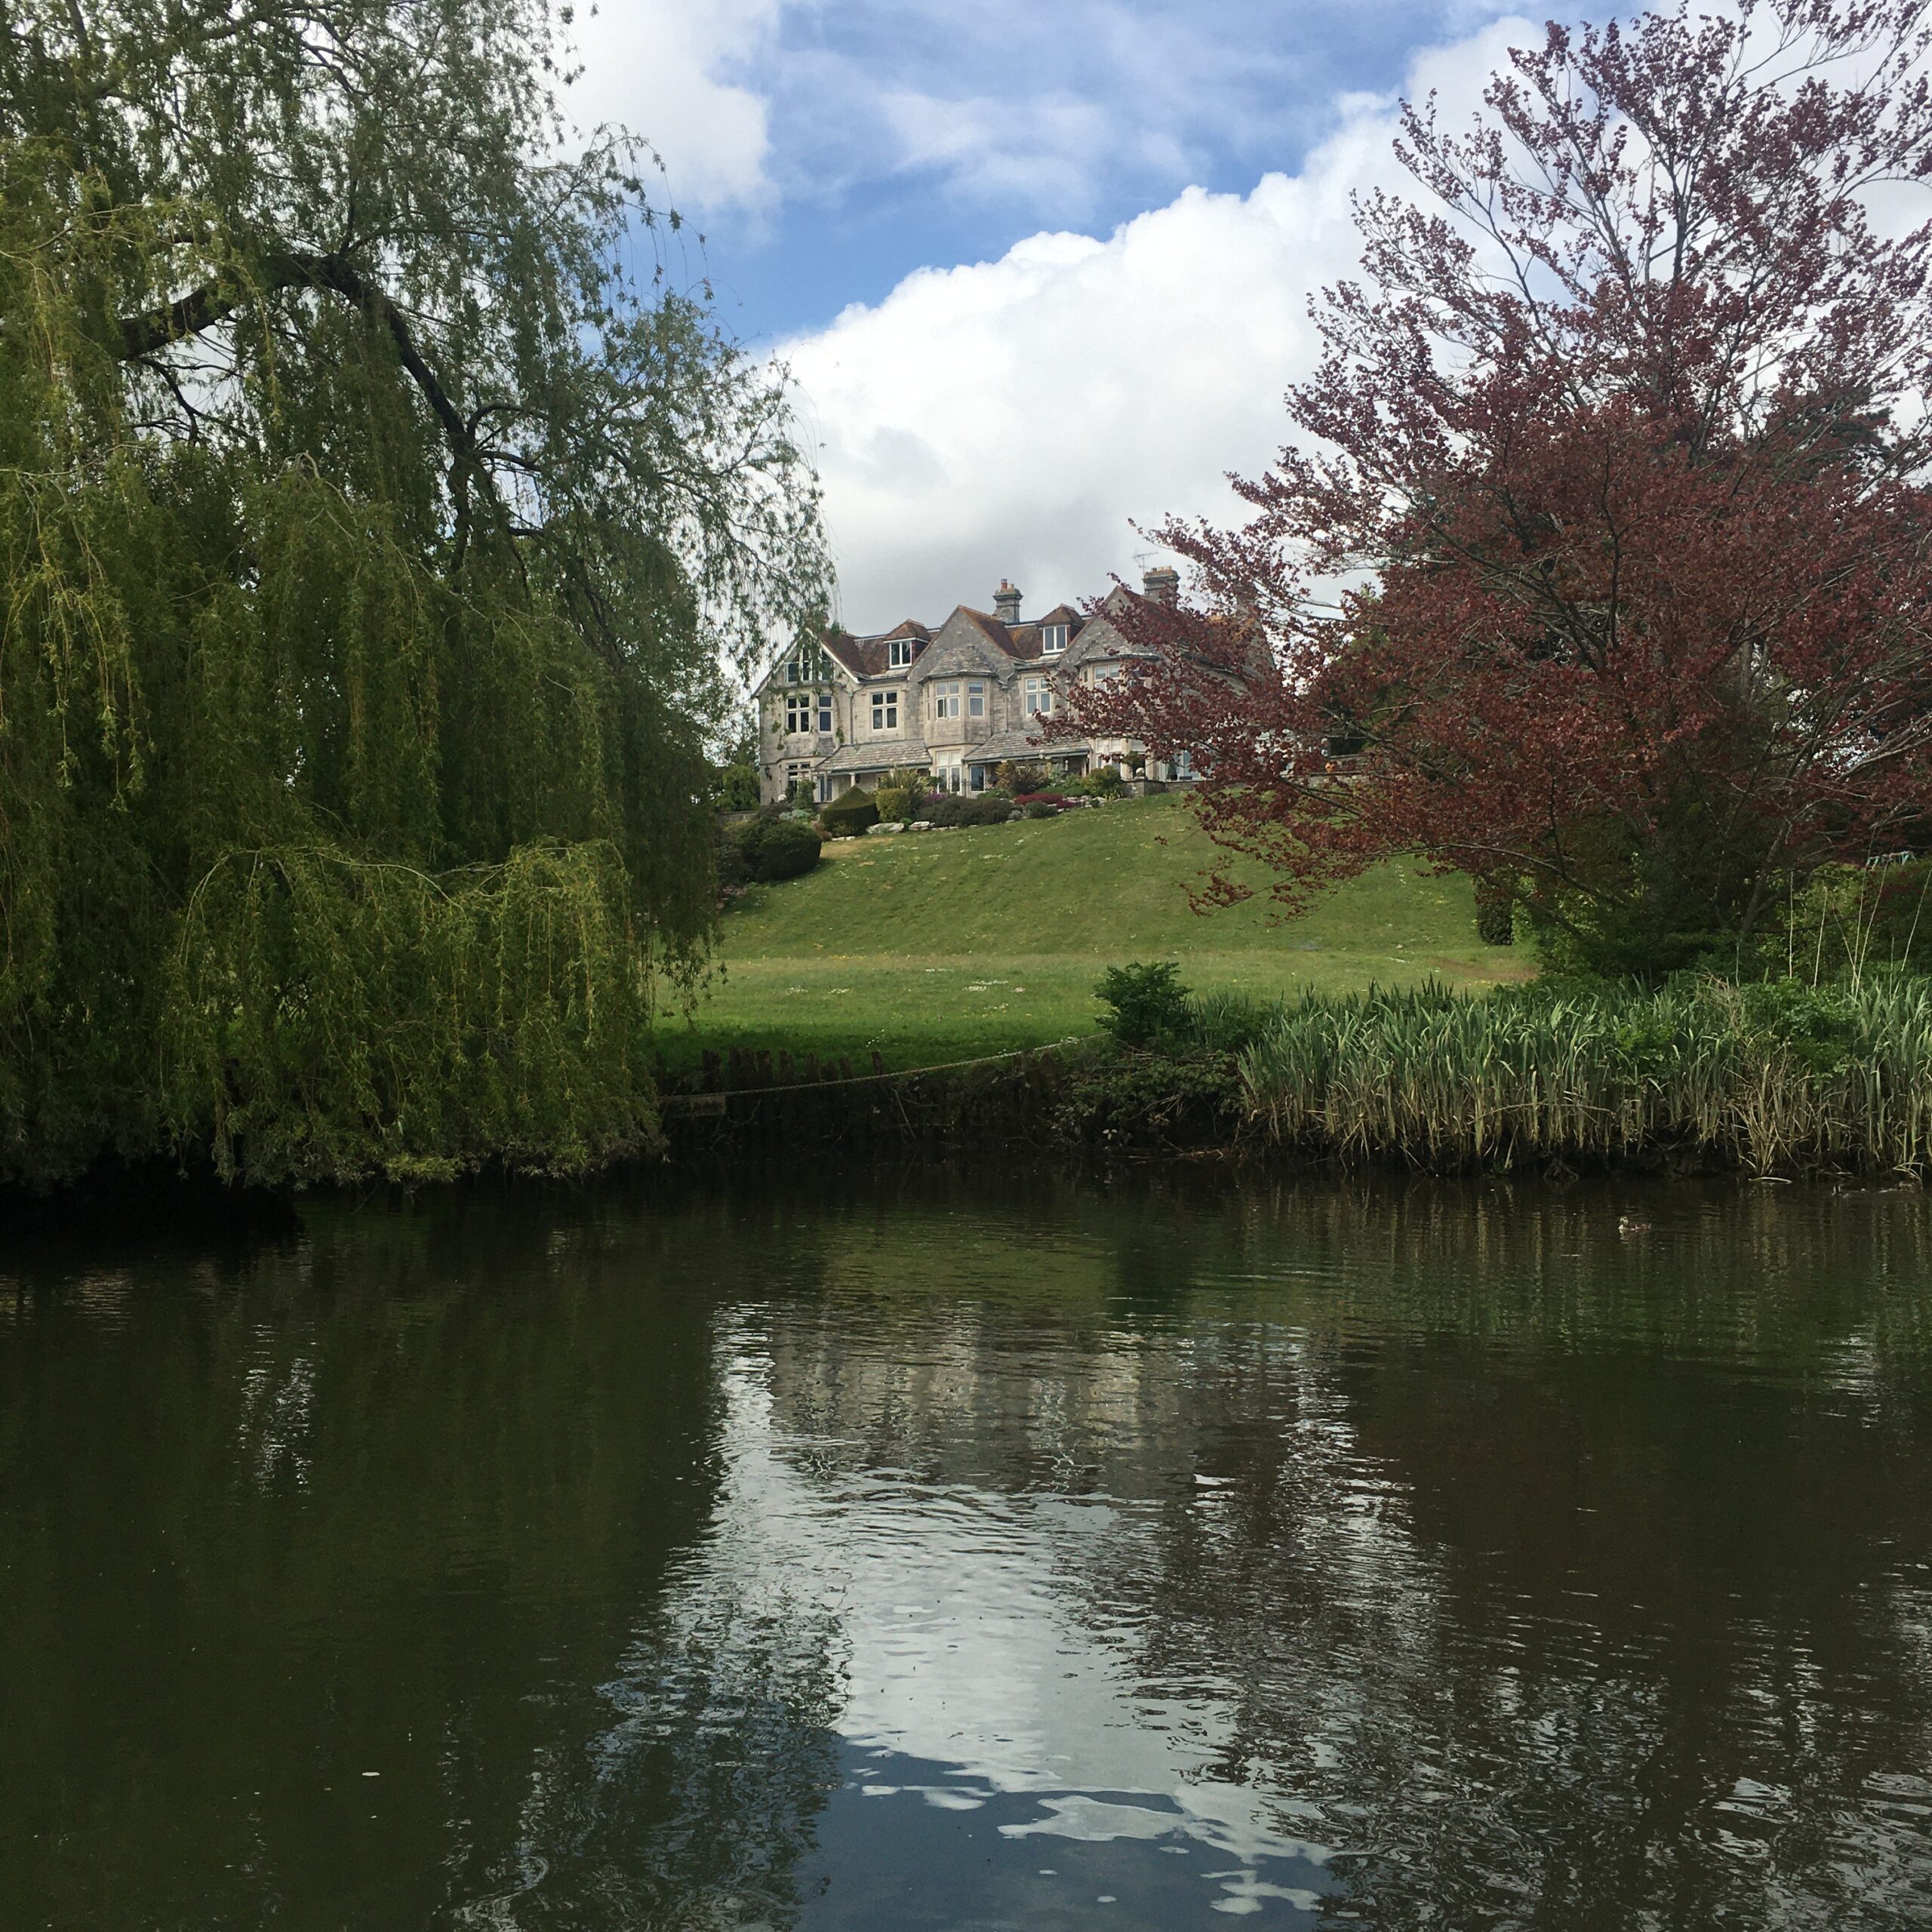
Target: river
[849, 1552]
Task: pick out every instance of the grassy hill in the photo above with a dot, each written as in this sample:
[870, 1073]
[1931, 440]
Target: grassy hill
[933, 946]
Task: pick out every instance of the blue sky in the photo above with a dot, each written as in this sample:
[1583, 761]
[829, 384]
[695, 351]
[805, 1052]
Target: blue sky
[900, 134]
[1040, 271]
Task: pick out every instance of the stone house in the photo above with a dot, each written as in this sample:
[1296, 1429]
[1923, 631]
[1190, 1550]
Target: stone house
[956, 702]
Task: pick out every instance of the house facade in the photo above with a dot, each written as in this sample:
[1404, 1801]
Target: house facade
[956, 702]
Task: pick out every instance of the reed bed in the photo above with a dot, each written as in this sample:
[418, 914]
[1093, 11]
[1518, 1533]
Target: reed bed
[1774, 1078]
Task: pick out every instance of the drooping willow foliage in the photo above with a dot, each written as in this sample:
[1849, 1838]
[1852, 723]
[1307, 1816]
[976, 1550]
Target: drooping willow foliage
[375, 515]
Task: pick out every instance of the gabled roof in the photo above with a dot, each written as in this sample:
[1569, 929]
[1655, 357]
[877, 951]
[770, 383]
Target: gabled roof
[872, 657]
[995, 632]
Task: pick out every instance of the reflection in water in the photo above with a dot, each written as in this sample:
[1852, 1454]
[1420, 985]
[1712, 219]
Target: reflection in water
[968, 1669]
[1146, 1558]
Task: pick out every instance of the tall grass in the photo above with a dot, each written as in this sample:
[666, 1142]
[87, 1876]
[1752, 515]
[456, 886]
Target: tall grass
[1772, 1077]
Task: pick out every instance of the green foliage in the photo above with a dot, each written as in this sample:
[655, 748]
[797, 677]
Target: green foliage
[1148, 1001]
[1106, 782]
[954, 808]
[734, 788]
[849, 814]
[1674, 902]
[526, 995]
[1227, 1023]
[1142, 1102]
[895, 804]
[1769, 1075]
[774, 848]
[1847, 922]
[1495, 915]
[368, 543]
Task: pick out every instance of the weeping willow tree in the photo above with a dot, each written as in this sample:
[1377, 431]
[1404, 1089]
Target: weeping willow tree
[376, 513]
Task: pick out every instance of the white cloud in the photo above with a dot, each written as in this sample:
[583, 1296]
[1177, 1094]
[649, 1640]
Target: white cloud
[1010, 417]
[656, 67]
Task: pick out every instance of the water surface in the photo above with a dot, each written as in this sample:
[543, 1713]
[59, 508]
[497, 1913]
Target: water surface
[849, 1554]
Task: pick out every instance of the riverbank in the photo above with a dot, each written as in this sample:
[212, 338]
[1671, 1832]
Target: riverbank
[1775, 1078]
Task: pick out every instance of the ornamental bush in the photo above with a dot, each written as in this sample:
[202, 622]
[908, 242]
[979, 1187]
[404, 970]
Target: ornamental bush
[849, 814]
[776, 847]
[971, 808]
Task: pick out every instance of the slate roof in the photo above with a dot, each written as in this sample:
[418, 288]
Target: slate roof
[995, 632]
[1020, 747]
[878, 754]
[871, 656]
[868, 658]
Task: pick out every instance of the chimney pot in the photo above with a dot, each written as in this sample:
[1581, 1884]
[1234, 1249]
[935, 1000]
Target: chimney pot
[1006, 603]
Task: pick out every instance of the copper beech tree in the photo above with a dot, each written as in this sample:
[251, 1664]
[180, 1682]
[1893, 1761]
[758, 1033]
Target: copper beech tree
[1599, 567]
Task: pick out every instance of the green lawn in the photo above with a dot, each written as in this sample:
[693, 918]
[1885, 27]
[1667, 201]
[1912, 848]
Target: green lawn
[939, 946]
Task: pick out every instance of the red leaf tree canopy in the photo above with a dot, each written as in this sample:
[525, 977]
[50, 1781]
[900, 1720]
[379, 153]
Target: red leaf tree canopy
[1614, 477]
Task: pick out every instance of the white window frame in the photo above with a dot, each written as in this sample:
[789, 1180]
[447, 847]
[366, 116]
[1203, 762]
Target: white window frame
[976, 700]
[898, 652]
[1037, 697]
[824, 709]
[885, 711]
[798, 708]
[946, 702]
[1053, 640]
[948, 771]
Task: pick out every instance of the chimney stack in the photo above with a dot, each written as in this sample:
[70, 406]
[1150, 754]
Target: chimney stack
[1006, 603]
[1162, 584]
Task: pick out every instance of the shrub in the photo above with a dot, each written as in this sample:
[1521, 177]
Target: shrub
[895, 805]
[734, 788]
[970, 808]
[772, 848]
[732, 870]
[1846, 920]
[1148, 1001]
[1496, 915]
[849, 814]
[1105, 783]
[1020, 778]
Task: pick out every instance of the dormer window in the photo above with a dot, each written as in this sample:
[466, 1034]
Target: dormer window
[1053, 640]
[898, 653]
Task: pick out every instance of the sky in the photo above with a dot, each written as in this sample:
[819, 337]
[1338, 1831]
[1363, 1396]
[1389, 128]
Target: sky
[1039, 271]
